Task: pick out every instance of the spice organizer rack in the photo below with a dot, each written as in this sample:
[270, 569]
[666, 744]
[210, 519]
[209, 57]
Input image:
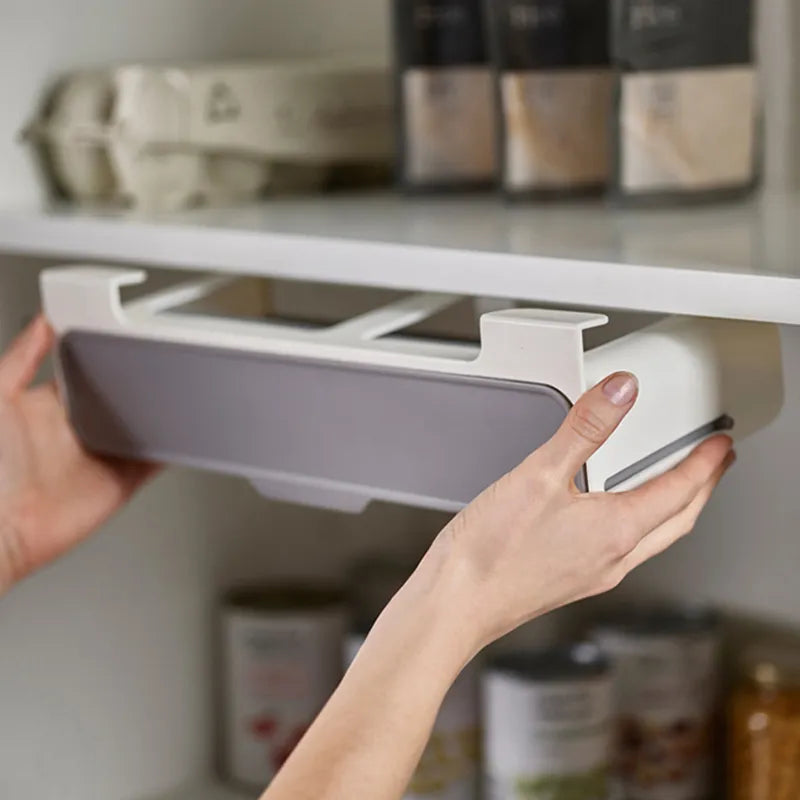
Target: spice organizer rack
[357, 411]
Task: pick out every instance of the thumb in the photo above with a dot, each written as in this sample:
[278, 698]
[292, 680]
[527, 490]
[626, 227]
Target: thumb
[19, 364]
[590, 422]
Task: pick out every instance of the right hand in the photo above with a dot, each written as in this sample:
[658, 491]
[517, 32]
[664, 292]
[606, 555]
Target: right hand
[533, 542]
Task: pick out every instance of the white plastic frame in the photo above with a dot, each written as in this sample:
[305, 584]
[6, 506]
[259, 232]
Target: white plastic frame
[692, 371]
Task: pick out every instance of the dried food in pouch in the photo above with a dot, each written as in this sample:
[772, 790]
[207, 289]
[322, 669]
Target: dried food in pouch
[445, 94]
[555, 89]
[687, 98]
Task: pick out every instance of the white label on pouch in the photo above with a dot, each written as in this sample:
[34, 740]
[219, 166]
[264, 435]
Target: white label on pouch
[449, 125]
[556, 128]
[691, 129]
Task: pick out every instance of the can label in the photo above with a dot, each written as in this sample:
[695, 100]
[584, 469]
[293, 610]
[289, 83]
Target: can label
[450, 765]
[666, 697]
[279, 672]
[547, 741]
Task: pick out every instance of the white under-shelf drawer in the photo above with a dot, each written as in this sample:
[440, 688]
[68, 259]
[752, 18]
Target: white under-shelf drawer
[361, 410]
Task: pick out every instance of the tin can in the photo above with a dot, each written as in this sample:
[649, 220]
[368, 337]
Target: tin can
[449, 768]
[665, 665]
[281, 662]
[548, 725]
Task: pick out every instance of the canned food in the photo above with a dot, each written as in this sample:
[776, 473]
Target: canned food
[449, 768]
[548, 725]
[666, 685]
[281, 662]
[450, 765]
[764, 733]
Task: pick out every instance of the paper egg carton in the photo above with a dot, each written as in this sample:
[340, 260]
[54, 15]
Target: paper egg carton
[168, 137]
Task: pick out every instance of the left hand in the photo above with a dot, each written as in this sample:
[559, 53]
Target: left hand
[53, 493]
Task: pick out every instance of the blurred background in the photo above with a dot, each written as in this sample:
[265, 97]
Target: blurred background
[111, 660]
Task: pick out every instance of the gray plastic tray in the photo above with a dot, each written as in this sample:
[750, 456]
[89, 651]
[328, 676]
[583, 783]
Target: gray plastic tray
[331, 434]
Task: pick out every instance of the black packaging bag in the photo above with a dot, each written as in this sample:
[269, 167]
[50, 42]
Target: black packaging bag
[555, 85]
[445, 97]
[686, 123]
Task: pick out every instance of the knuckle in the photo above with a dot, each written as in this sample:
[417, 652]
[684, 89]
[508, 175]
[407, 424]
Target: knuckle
[681, 486]
[689, 481]
[612, 580]
[534, 478]
[625, 535]
[630, 539]
[621, 543]
[587, 424]
[691, 522]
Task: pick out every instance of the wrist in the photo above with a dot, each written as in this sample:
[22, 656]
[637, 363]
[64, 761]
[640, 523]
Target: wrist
[433, 609]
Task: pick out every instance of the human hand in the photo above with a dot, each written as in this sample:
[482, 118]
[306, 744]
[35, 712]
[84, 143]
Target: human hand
[52, 492]
[532, 542]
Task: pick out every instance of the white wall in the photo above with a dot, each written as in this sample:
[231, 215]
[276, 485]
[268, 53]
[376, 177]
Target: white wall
[780, 69]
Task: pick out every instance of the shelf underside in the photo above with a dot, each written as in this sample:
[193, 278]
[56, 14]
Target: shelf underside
[738, 261]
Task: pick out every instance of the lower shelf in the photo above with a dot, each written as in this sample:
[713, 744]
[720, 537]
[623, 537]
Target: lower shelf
[207, 791]
[215, 791]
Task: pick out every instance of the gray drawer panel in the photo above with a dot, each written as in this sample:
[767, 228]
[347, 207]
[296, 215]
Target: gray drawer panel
[433, 439]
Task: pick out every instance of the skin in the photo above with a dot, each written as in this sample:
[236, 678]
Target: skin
[53, 494]
[529, 544]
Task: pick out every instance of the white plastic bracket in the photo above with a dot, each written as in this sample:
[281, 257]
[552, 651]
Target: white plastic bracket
[86, 296]
[541, 346]
[529, 345]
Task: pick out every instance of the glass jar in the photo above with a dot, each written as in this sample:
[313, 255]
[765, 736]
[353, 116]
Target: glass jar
[765, 727]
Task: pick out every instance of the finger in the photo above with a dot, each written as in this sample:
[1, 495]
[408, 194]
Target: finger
[589, 424]
[20, 363]
[667, 534]
[665, 497]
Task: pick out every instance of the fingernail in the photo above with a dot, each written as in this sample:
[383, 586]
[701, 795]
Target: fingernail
[621, 388]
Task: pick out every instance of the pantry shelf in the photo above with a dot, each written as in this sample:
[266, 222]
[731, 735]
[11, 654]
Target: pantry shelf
[207, 791]
[215, 791]
[736, 261]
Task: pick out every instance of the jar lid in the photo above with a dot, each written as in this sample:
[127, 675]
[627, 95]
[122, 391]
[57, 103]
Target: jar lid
[284, 597]
[571, 662]
[773, 665]
[658, 621]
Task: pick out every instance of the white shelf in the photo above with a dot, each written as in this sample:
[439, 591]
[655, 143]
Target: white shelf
[208, 791]
[739, 261]
[211, 791]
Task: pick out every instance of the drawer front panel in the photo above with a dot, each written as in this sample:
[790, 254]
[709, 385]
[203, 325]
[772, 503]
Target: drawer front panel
[432, 439]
